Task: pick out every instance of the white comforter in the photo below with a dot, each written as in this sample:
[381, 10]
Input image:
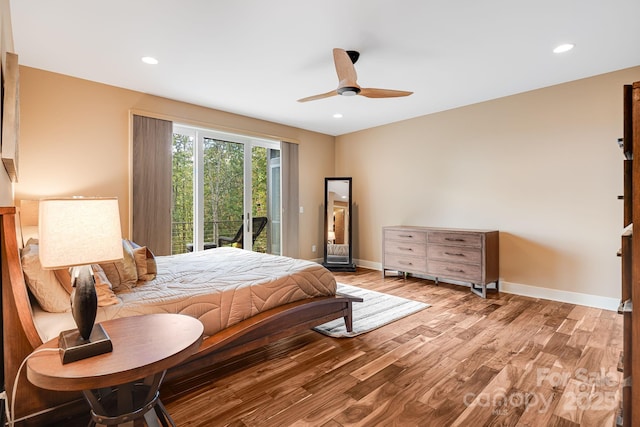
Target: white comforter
[220, 287]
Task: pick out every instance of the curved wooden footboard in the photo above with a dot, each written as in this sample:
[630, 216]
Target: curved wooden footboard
[265, 328]
[34, 406]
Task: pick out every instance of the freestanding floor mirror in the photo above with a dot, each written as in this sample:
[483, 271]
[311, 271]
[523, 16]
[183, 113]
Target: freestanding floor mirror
[338, 238]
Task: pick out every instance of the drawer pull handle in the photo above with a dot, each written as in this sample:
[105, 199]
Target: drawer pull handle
[405, 263]
[451, 239]
[406, 235]
[405, 249]
[455, 270]
[453, 254]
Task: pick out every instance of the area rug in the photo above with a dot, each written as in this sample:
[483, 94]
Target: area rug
[377, 309]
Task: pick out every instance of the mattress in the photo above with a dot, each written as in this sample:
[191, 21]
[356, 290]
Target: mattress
[220, 287]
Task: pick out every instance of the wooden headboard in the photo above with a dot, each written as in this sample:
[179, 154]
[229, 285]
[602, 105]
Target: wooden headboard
[20, 336]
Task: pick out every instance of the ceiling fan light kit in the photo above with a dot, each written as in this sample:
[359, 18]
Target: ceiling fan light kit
[347, 78]
[348, 91]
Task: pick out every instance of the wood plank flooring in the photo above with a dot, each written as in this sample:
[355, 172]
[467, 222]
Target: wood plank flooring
[465, 361]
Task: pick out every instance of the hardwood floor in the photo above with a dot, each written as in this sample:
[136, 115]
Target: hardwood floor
[465, 361]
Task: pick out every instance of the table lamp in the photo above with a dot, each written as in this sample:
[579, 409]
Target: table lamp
[75, 233]
[331, 235]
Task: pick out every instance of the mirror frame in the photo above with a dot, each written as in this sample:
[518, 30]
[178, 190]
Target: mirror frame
[329, 263]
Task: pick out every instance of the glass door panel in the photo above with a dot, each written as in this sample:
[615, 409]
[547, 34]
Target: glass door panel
[222, 192]
[182, 187]
[212, 203]
[274, 202]
[259, 208]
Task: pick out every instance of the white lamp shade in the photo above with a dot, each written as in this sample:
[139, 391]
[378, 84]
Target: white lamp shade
[79, 231]
[331, 235]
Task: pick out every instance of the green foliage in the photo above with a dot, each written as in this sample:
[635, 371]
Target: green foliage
[259, 192]
[223, 181]
[182, 185]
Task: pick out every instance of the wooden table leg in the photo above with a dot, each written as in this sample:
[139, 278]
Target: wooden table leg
[121, 405]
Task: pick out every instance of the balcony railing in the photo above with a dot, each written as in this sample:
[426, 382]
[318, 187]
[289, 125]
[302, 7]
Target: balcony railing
[182, 235]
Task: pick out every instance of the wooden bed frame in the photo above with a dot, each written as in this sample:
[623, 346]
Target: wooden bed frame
[34, 406]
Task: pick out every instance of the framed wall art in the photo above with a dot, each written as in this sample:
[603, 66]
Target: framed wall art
[10, 115]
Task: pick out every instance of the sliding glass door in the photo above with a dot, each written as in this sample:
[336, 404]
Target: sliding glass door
[226, 192]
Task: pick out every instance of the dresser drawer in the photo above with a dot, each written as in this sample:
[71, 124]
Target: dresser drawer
[405, 248]
[405, 263]
[463, 254]
[406, 236]
[450, 270]
[457, 239]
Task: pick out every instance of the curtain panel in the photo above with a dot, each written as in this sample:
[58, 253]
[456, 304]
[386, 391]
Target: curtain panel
[290, 200]
[152, 163]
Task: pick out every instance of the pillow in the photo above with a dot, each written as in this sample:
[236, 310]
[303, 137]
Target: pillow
[29, 232]
[103, 286]
[43, 284]
[104, 289]
[145, 263]
[123, 273]
[64, 277]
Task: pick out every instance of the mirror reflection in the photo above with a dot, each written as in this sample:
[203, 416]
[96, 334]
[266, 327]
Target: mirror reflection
[337, 254]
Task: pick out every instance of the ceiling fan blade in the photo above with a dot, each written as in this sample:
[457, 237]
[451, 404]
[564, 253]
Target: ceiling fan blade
[319, 96]
[383, 93]
[344, 68]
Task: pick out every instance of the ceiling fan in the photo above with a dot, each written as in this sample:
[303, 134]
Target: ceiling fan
[347, 86]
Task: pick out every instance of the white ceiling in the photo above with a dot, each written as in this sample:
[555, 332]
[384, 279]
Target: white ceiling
[257, 57]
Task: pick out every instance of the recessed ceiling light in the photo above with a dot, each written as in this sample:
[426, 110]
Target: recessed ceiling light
[149, 60]
[563, 48]
[337, 116]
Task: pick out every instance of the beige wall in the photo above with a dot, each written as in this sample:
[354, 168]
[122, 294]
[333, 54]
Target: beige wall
[543, 167]
[75, 141]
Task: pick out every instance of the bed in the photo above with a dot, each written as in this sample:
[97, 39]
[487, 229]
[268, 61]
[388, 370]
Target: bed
[249, 308]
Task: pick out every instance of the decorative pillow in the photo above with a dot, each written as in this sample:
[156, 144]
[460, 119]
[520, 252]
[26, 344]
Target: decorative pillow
[64, 277]
[103, 287]
[123, 273]
[145, 263]
[42, 283]
[29, 232]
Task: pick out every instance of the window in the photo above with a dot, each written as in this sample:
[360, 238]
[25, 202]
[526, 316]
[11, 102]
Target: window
[223, 185]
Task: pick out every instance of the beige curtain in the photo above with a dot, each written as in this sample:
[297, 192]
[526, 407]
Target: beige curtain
[290, 200]
[152, 164]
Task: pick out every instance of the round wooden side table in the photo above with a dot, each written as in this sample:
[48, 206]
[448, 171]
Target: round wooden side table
[122, 385]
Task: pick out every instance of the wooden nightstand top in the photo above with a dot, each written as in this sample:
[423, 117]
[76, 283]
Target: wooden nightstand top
[142, 346]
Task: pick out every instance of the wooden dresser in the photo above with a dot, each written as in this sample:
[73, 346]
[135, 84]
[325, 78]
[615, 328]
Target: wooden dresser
[443, 253]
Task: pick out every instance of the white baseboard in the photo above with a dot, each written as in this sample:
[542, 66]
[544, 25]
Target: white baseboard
[368, 264]
[597, 301]
[605, 303]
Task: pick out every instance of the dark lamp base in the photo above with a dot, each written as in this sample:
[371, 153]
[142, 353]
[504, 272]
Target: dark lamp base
[73, 347]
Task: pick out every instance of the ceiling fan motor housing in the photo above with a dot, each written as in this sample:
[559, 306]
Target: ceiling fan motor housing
[348, 90]
[353, 55]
